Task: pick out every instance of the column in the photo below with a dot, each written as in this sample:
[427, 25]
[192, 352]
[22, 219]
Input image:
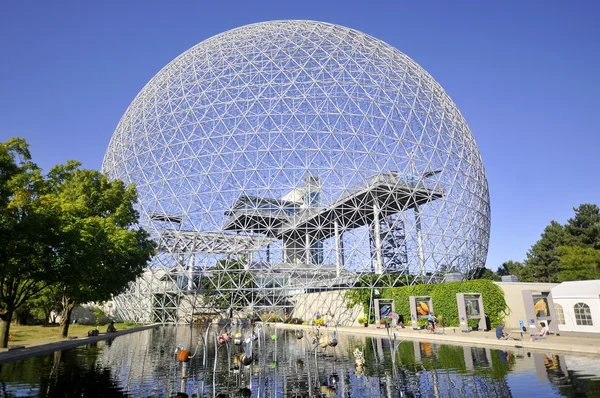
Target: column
[339, 260]
[269, 254]
[307, 248]
[377, 233]
[191, 261]
[250, 259]
[420, 240]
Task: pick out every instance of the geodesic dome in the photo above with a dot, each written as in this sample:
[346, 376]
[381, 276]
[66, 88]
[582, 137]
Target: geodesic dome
[310, 152]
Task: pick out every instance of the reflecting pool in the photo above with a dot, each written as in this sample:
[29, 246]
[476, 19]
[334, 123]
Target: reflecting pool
[144, 364]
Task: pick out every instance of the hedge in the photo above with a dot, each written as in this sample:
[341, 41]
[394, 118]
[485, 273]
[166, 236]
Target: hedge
[444, 299]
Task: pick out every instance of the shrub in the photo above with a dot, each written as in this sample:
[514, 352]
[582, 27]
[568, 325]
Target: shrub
[473, 324]
[319, 322]
[362, 319]
[270, 317]
[422, 323]
[443, 296]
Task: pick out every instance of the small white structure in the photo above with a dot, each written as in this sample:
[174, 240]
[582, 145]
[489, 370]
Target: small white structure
[577, 306]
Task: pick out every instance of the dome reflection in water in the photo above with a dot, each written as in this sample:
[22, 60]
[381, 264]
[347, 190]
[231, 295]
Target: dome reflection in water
[145, 364]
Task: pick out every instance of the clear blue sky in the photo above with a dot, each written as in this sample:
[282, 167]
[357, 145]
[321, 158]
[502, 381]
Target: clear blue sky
[525, 74]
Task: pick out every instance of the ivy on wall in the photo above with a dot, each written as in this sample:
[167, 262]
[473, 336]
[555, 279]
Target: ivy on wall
[444, 299]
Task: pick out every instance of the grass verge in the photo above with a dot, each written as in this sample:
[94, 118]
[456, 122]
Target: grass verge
[29, 335]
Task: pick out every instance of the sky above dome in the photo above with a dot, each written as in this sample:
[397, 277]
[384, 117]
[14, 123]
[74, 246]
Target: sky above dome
[523, 76]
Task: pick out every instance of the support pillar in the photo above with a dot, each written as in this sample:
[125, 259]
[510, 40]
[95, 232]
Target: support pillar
[377, 233]
[420, 241]
[269, 253]
[339, 255]
[247, 263]
[191, 261]
[307, 249]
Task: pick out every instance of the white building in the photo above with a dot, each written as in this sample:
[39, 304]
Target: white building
[577, 306]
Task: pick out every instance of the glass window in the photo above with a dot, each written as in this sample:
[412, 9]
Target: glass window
[560, 314]
[583, 315]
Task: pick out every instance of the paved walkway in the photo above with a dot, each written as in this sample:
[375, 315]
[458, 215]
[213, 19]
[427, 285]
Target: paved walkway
[566, 342]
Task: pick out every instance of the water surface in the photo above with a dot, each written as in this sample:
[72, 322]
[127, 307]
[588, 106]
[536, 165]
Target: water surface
[144, 364]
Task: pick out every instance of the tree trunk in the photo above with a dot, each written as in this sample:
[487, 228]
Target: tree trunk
[65, 320]
[22, 315]
[5, 318]
[47, 313]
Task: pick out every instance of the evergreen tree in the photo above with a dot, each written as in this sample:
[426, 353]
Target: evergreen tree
[569, 252]
[584, 229]
[486, 273]
[543, 261]
[514, 268]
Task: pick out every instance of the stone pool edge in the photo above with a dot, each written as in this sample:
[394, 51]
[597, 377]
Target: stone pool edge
[14, 354]
[568, 345]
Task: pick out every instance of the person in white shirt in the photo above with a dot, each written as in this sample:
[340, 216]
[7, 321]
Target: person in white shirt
[541, 335]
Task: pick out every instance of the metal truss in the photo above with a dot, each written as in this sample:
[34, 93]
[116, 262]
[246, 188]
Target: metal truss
[291, 156]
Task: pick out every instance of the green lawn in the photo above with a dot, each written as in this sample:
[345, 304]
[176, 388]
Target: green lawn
[44, 334]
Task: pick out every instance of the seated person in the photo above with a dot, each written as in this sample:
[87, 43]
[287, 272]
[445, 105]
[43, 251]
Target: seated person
[501, 334]
[111, 328]
[541, 335]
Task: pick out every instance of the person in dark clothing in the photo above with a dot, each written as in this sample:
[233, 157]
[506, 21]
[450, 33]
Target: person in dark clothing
[111, 327]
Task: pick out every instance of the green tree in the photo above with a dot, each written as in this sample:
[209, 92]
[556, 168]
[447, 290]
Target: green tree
[568, 252]
[45, 302]
[100, 249]
[578, 263]
[580, 256]
[584, 229]
[486, 273]
[28, 224]
[543, 262]
[510, 268]
[228, 285]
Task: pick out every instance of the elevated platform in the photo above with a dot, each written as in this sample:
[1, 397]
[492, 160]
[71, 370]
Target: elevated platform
[173, 241]
[261, 215]
[385, 193]
[357, 209]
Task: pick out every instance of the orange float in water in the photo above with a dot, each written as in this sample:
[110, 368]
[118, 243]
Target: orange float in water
[183, 356]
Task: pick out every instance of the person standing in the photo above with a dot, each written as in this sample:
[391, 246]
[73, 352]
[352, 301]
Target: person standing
[395, 318]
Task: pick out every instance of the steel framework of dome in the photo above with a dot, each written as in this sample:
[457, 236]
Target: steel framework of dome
[293, 156]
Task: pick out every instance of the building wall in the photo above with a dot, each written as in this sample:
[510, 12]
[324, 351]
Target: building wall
[569, 311]
[331, 305]
[84, 313]
[514, 299]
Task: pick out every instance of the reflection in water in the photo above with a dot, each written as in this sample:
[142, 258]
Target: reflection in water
[175, 361]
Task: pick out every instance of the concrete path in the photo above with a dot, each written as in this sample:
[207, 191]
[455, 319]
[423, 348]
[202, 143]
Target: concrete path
[25, 350]
[566, 342]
